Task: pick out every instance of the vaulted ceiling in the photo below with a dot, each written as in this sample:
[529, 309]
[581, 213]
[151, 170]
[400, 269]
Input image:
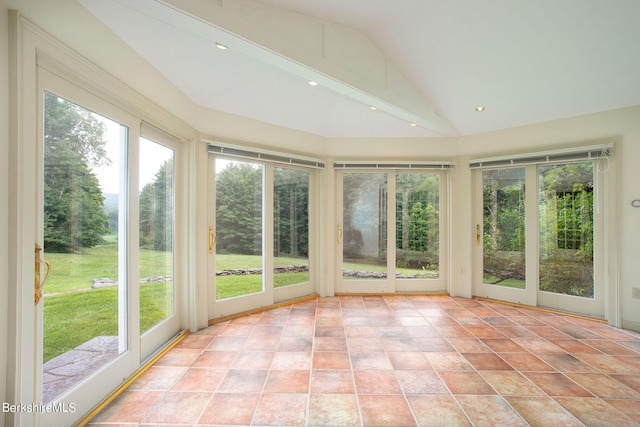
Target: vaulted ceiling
[429, 63]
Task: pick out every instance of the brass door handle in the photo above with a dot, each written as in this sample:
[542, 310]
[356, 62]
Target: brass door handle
[478, 235]
[212, 240]
[38, 291]
[339, 234]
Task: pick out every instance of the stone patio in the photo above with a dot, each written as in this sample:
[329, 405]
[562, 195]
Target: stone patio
[65, 371]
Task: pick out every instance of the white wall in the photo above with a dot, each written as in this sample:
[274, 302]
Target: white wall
[4, 197]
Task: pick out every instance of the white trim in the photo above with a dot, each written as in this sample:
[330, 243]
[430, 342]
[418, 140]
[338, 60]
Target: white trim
[393, 164]
[247, 152]
[595, 150]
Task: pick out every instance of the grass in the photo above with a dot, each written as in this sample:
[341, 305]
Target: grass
[507, 283]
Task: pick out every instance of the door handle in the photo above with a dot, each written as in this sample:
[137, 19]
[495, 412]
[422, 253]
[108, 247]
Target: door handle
[339, 233]
[212, 240]
[478, 235]
[39, 284]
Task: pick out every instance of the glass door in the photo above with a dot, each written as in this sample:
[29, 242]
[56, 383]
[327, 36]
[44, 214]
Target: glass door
[259, 238]
[404, 257]
[538, 236]
[87, 337]
[570, 238]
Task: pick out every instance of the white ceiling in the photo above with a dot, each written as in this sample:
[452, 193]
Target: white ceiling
[524, 61]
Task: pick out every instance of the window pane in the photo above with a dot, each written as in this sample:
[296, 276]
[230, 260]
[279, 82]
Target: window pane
[504, 227]
[157, 203]
[291, 226]
[417, 225]
[239, 228]
[364, 226]
[84, 240]
[566, 228]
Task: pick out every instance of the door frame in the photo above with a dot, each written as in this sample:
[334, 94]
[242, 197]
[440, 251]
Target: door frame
[392, 284]
[29, 48]
[269, 295]
[605, 258]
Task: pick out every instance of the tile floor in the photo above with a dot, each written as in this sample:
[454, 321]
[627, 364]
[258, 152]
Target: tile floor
[392, 361]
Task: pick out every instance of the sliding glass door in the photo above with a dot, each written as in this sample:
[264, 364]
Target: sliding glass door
[539, 236]
[259, 237]
[391, 231]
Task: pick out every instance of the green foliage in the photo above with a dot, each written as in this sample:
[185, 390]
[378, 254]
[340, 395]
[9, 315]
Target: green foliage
[291, 212]
[73, 202]
[156, 210]
[239, 209]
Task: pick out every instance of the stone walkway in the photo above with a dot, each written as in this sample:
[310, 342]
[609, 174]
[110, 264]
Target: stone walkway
[65, 371]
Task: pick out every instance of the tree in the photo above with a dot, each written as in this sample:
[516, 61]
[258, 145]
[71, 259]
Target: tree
[156, 210]
[239, 209]
[73, 205]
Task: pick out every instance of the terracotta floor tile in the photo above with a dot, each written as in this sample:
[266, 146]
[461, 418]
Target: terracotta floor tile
[230, 408]
[408, 360]
[158, 378]
[416, 360]
[437, 410]
[253, 360]
[538, 345]
[333, 410]
[487, 362]
[179, 407]
[420, 382]
[298, 360]
[331, 360]
[574, 346]
[130, 406]
[543, 412]
[502, 346]
[287, 382]
[511, 383]
[200, 379]
[556, 384]
[630, 408]
[595, 412]
[632, 381]
[465, 382]
[370, 360]
[281, 410]
[490, 411]
[608, 364]
[548, 332]
[448, 361]
[295, 344]
[433, 344]
[609, 347]
[243, 381]
[604, 386]
[393, 344]
[365, 344]
[179, 357]
[215, 359]
[330, 344]
[565, 362]
[328, 381]
[485, 332]
[376, 382]
[526, 362]
[380, 410]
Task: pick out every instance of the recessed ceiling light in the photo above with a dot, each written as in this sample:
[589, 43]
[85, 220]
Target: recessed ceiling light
[221, 46]
[373, 108]
[413, 124]
[312, 83]
[480, 109]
